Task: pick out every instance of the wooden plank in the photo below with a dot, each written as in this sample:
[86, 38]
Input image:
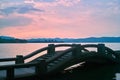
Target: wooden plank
[10, 73]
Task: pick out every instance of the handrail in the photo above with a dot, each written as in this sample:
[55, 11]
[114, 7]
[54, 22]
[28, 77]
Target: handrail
[23, 65]
[64, 52]
[7, 59]
[57, 45]
[43, 49]
[82, 47]
[95, 45]
[63, 45]
[90, 45]
[10, 69]
[34, 53]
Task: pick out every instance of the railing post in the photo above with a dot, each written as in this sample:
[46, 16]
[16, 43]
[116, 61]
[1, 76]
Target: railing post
[77, 51]
[101, 48]
[51, 49]
[19, 59]
[41, 68]
[10, 74]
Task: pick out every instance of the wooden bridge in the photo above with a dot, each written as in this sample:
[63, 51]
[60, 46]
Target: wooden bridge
[55, 61]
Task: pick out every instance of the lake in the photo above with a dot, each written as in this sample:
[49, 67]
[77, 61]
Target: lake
[107, 72]
[13, 49]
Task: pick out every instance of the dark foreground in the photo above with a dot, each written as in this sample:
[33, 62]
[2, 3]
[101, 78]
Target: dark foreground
[85, 72]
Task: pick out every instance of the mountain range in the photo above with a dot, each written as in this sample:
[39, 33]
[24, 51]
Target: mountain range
[8, 39]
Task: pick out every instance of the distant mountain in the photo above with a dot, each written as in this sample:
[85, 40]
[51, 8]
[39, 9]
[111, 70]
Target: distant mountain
[45, 40]
[8, 39]
[99, 39]
[90, 39]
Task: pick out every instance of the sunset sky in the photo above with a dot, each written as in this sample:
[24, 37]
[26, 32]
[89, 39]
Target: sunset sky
[59, 18]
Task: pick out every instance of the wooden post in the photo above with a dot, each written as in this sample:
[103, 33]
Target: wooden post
[77, 51]
[41, 68]
[101, 48]
[19, 59]
[51, 49]
[10, 74]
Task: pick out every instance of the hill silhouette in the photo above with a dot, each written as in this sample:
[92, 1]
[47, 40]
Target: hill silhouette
[8, 39]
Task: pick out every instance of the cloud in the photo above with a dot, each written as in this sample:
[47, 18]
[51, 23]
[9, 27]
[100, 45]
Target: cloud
[9, 3]
[102, 7]
[14, 21]
[21, 9]
[44, 0]
[53, 3]
[60, 18]
[67, 2]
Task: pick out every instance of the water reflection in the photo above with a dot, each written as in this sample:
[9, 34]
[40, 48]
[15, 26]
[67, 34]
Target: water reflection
[117, 76]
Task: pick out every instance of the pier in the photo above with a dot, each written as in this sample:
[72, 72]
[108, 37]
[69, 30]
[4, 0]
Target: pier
[54, 61]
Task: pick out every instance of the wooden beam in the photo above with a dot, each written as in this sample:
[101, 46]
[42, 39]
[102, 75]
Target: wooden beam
[77, 51]
[101, 48]
[10, 73]
[51, 49]
[41, 68]
[19, 59]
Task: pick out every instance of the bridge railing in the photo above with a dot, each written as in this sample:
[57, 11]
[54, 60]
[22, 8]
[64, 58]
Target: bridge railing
[76, 49]
[7, 59]
[40, 68]
[101, 48]
[20, 58]
[51, 50]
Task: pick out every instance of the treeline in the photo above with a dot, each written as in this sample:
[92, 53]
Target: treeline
[7, 39]
[12, 40]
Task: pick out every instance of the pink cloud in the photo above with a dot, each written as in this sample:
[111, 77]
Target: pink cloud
[52, 26]
[54, 3]
[47, 25]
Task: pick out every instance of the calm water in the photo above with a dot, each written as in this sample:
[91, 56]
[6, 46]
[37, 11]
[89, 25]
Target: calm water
[87, 73]
[11, 50]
